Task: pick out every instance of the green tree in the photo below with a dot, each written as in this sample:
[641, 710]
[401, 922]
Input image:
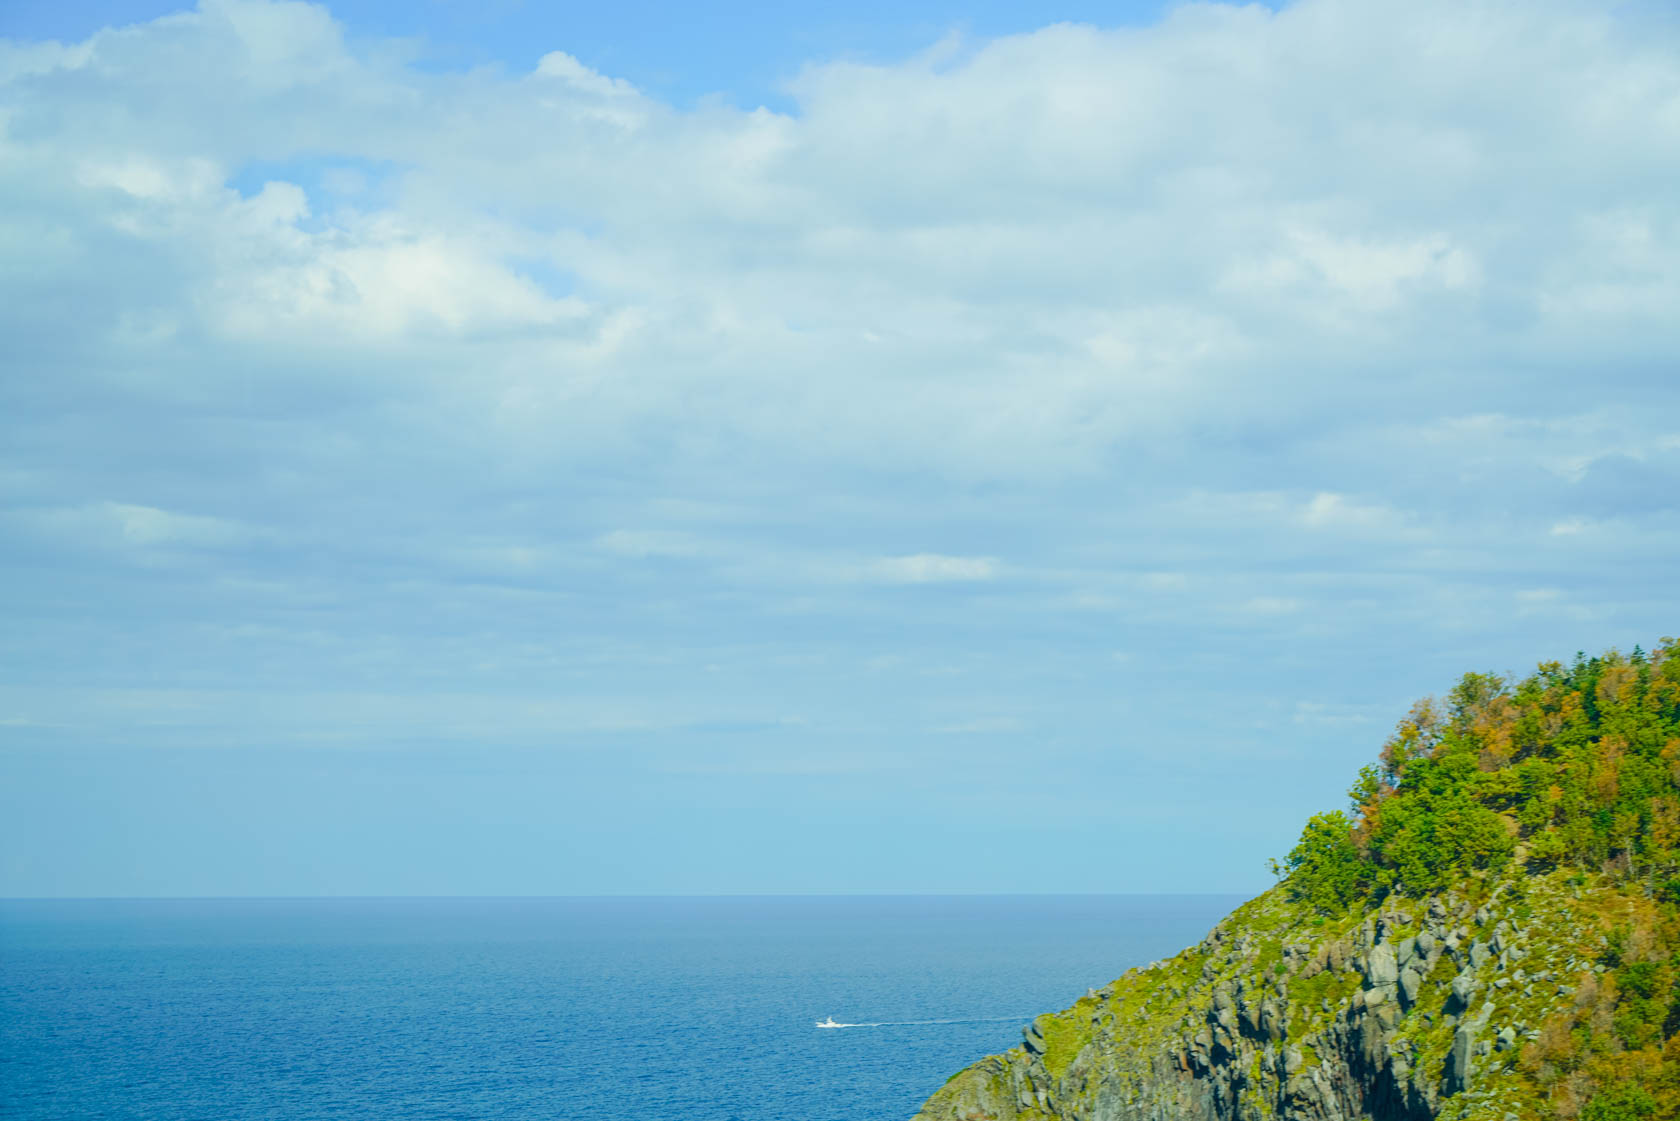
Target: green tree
[1624, 1102]
[1325, 866]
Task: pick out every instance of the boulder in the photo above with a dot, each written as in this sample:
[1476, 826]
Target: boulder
[1410, 983]
[1464, 988]
[1249, 1012]
[1380, 966]
[1460, 1066]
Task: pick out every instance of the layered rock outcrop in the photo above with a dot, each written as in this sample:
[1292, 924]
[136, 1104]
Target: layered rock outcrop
[1414, 1012]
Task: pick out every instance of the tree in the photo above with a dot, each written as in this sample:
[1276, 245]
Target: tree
[1325, 866]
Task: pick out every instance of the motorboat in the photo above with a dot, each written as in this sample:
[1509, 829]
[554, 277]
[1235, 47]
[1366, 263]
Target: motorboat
[829, 1023]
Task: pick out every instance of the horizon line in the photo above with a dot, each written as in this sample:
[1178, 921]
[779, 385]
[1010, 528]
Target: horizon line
[619, 895]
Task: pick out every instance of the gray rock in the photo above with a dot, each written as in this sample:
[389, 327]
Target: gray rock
[1381, 967]
[1463, 990]
[1461, 1059]
[1479, 954]
[1410, 983]
[1202, 1045]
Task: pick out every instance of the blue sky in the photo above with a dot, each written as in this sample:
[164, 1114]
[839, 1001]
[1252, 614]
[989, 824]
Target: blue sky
[681, 53]
[492, 449]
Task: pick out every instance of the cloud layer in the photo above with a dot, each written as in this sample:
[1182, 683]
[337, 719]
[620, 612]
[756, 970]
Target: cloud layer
[1034, 386]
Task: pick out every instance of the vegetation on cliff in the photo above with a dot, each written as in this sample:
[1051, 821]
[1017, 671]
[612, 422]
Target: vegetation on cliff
[1576, 766]
[1493, 931]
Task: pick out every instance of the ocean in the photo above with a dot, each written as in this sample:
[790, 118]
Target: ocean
[610, 1009]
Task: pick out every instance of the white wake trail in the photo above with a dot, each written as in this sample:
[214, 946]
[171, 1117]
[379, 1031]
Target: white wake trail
[919, 1023]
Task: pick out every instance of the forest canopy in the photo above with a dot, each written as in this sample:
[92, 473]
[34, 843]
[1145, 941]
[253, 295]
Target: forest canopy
[1573, 766]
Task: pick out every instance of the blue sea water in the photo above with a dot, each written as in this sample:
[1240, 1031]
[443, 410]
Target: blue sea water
[608, 1009]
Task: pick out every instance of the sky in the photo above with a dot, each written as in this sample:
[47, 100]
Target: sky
[501, 449]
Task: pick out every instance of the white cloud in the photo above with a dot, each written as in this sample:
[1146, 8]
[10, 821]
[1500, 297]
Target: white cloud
[1323, 320]
[562, 67]
[934, 568]
[1034, 247]
[1332, 714]
[129, 527]
[652, 543]
[1364, 277]
[1328, 510]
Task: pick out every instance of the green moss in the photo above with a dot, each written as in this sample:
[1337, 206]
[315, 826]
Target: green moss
[1562, 914]
[1064, 1038]
[1307, 997]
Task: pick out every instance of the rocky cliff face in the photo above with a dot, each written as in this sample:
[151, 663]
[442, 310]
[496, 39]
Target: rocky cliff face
[1420, 1010]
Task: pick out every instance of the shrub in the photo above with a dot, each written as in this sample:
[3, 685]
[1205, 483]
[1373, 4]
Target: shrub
[1624, 1102]
[1325, 867]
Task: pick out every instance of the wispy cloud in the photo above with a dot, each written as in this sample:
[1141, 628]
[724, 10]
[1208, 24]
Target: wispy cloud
[352, 401]
[129, 527]
[653, 543]
[933, 568]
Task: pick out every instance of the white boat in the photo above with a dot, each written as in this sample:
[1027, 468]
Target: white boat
[829, 1023]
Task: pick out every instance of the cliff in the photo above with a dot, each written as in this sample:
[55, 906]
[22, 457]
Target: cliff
[1416, 960]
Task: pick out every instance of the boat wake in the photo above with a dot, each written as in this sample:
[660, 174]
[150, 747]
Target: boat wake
[832, 1023]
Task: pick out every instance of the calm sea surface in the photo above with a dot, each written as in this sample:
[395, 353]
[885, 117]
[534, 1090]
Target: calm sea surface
[606, 1009]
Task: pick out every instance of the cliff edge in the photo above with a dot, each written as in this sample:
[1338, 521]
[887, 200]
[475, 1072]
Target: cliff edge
[1493, 933]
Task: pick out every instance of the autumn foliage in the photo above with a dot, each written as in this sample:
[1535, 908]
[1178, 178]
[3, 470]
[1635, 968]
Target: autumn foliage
[1575, 771]
[1573, 766]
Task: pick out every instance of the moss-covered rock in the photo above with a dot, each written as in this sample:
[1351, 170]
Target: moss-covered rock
[1281, 1014]
[1494, 934]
